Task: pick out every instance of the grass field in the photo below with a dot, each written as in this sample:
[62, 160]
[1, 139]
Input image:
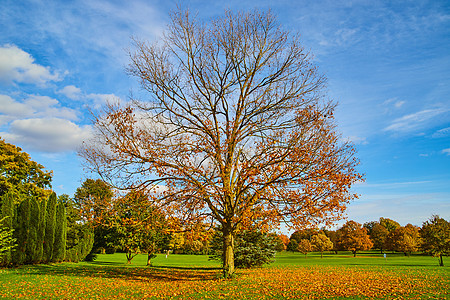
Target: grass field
[368, 276]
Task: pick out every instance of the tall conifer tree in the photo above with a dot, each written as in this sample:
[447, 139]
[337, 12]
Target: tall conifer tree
[59, 246]
[49, 238]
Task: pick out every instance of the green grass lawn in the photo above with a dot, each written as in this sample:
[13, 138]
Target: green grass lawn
[342, 276]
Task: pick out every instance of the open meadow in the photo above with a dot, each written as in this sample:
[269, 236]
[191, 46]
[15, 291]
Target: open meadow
[342, 276]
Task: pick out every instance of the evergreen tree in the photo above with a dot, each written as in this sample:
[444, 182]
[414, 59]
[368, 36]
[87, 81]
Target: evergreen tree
[32, 246]
[7, 218]
[253, 248]
[59, 246]
[41, 228]
[50, 226]
[21, 225]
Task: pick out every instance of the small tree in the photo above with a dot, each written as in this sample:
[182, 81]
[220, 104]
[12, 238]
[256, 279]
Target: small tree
[253, 248]
[435, 235]
[304, 246]
[138, 225]
[354, 237]
[321, 243]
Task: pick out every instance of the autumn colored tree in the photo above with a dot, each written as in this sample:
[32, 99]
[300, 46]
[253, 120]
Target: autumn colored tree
[435, 235]
[304, 246]
[197, 240]
[19, 173]
[354, 237]
[321, 243]
[334, 237]
[237, 129]
[404, 239]
[378, 235]
[284, 239]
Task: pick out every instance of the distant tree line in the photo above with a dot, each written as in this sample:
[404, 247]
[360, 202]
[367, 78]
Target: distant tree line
[384, 235]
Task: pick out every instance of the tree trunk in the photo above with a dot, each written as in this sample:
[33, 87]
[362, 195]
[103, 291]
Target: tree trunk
[354, 253]
[441, 261]
[129, 257]
[228, 253]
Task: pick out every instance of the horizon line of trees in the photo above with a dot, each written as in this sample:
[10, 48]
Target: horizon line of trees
[432, 238]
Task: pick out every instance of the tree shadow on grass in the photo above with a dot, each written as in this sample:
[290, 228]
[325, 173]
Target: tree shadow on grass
[112, 271]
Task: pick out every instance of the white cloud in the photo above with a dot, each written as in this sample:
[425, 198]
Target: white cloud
[446, 151]
[414, 121]
[47, 134]
[12, 108]
[18, 66]
[71, 92]
[32, 107]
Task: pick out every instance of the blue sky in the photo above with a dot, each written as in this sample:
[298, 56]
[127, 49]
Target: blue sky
[387, 63]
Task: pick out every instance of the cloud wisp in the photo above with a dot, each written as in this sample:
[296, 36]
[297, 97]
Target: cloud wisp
[415, 121]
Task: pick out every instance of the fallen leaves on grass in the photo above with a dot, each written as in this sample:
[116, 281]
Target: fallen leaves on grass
[316, 282]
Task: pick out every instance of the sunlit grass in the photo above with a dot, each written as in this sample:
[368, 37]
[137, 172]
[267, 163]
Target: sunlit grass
[368, 276]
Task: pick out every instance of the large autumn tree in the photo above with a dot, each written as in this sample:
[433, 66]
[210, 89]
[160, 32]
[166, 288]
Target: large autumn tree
[20, 174]
[236, 128]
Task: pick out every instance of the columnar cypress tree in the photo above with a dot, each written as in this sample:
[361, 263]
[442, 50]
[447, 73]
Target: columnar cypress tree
[33, 226]
[50, 223]
[41, 229]
[7, 215]
[21, 225]
[59, 246]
